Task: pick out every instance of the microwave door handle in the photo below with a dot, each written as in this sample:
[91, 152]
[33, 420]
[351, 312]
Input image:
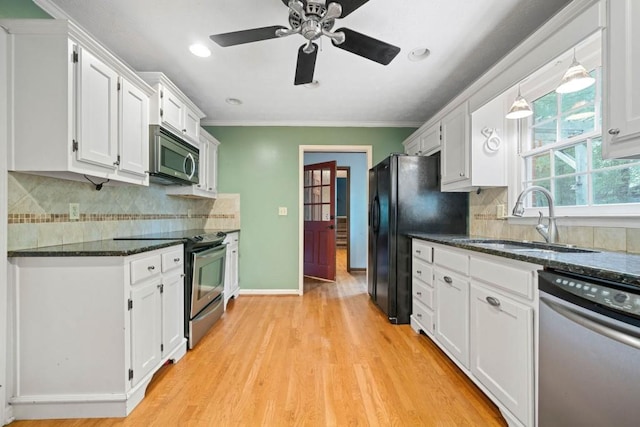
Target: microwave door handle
[193, 165]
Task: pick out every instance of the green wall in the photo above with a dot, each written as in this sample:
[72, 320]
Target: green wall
[21, 9]
[261, 164]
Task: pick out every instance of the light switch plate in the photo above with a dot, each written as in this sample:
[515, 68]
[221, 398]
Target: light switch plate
[74, 211]
[282, 211]
[501, 211]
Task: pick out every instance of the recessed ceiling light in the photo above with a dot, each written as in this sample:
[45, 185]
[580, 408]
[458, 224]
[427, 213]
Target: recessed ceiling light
[200, 50]
[233, 101]
[419, 53]
[313, 85]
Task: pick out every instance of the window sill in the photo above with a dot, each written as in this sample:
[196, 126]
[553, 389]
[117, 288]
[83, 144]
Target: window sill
[615, 221]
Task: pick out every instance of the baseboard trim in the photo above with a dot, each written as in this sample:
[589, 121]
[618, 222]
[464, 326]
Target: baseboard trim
[269, 292]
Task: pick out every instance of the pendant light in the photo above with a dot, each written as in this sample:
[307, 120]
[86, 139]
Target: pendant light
[520, 108]
[576, 78]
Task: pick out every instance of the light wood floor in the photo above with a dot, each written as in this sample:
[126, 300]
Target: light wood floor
[329, 358]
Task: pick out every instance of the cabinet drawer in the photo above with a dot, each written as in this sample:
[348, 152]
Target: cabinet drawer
[422, 251]
[144, 268]
[173, 259]
[422, 271]
[454, 260]
[516, 279]
[423, 316]
[422, 293]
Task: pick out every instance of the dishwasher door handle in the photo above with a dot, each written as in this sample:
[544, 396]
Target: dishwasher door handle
[597, 325]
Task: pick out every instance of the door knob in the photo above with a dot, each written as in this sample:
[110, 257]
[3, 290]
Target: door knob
[331, 227]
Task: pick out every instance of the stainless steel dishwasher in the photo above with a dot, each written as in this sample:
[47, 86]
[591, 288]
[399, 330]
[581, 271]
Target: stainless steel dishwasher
[589, 365]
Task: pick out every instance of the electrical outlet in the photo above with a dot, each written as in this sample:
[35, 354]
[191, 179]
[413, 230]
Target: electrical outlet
[282, 211]
[74, 211]
[501, 211]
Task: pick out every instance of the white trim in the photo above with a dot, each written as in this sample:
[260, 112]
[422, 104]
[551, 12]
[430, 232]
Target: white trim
[269, 292]
[581, 221]
[306, 123]
[302, 149]
[3, 225]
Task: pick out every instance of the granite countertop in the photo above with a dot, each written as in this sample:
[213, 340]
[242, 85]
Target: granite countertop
[96, 248]
[614, 266]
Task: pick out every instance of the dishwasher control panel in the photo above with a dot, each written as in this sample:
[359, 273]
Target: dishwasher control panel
[624, 301]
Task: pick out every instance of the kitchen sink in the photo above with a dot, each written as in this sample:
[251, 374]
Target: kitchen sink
[522, 246]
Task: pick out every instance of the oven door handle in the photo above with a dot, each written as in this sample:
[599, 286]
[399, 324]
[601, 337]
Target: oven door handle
[210, 253]
[599, 326]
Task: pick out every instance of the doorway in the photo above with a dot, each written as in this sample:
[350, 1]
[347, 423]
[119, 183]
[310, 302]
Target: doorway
[357, 249]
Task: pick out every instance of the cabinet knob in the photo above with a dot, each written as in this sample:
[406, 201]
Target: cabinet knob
[418, 251]
[495, 302]
[614, 131]
[448, 279]
[419, 293]
[419, 315]
[151, 267]
[210, 188]
[184, 130]
[176, 260]
[461, 173]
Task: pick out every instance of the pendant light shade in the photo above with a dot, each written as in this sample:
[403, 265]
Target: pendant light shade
[576, 78]
[520, 108]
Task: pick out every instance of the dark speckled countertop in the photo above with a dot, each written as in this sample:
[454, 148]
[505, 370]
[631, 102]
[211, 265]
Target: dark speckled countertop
[96, 248]
[613, 266]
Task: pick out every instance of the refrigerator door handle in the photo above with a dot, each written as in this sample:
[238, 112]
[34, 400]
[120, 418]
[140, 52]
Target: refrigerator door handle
[376, 223]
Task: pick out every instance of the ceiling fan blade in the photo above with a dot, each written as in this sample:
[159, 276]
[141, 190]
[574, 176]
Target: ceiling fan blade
[348, 6]
[367, 47]
[306, 65]
[246, 36]
[286, 3]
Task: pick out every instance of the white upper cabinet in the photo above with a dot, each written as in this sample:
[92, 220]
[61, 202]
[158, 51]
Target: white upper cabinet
[423, 141]
[207, 187]
[171, 108]
[76, 115]
[455, 145]
[621, 130]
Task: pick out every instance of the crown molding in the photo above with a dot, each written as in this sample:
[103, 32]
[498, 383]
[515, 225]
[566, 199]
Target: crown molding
[293, 123]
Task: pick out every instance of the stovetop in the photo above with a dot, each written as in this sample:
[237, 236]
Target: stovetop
[194, 235]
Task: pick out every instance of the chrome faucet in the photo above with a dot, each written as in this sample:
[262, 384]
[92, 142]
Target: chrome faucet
[550, 231]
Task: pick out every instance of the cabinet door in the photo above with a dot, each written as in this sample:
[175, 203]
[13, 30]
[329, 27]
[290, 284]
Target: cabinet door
[191, 124]
[502, 349]
[430, 139]
[455, 145]
[452, 315]
[171, 110]
[212, 168]
[622, 130]
[134, 129]
[172, 312]
[203, 165]
[145, 328]
[97, 111]
[412, 147]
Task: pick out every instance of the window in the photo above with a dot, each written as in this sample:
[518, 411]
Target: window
[562, 152]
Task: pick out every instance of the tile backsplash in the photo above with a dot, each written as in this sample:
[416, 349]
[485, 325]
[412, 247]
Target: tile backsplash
[483, 221]
[38, 211]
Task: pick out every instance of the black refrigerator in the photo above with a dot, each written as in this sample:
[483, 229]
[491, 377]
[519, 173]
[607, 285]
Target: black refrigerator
[405, 196]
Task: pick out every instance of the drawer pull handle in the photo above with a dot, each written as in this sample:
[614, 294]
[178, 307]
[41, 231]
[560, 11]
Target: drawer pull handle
[176, 260]
[151, 267]
[614, 132]
[419, 293]
[495, 302]
[418, 251]
[448, 279]
[419, 315]
[419, 272]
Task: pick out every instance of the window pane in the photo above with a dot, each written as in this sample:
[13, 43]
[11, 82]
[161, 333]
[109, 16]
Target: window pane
[571, 160]
[307, 195]
[599, 162]
[316, 178]
[570, 101]
[539, 200]
[307, 213]
[617, 186]
[307, 178]
[326, 212]
[326, 177]
[317, 212]
[545, 108]
[571, 191]
[545, 134]
[326, 194]
[539, 166]
[578, 122]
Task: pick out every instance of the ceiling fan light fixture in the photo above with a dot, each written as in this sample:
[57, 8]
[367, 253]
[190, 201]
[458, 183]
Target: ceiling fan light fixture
[520, 108]
[419, 53]
[233, 101]
[576, 78]
[200, 50]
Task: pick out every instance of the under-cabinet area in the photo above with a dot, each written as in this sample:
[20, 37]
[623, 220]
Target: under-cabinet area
[92, 330]
[480, 310]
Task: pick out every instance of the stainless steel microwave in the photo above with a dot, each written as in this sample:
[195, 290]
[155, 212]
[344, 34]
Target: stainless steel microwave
[171, 159]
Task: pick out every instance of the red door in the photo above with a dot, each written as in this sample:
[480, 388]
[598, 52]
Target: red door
[319, 220]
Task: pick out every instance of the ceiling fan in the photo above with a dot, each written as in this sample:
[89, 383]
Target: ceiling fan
[313, 19]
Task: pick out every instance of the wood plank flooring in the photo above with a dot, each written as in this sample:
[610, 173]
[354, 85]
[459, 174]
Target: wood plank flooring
[329, 358]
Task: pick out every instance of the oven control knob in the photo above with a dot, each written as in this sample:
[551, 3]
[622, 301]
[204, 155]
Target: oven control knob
[620, 298]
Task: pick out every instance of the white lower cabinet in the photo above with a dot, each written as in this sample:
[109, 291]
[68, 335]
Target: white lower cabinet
[502, 348]
[231, 281]
[480, 310]
[90, 331]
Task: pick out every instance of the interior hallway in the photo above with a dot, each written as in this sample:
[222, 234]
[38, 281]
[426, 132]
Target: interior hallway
[329, 358]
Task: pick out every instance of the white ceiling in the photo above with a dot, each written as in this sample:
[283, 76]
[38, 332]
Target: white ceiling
[466, 37]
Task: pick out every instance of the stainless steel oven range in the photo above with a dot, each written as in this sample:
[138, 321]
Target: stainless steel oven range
[205, 256]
